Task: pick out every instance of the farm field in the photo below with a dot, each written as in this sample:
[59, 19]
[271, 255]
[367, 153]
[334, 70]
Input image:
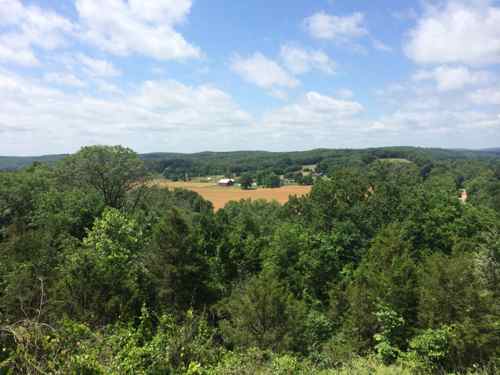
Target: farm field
[220, 195]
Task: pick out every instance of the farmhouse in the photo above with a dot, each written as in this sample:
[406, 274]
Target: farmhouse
[226, 182]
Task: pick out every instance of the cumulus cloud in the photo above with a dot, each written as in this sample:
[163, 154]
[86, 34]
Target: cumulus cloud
[486, 96]
[262, 71]
[61, 121]
[97, 67]
[466, 32]
[322, 25]
[63, 78]
[434, 117]
[343, 30]
[300, 61]
[74, 98]
[445, 121]
[119, 27]
[171, 11]
[449, 78]
[181, 105]
[9, 52]
[137, 27]
[314, 109]
[28, 27]
[275, 77]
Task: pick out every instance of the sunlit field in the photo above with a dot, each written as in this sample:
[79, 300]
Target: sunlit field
[220, 195]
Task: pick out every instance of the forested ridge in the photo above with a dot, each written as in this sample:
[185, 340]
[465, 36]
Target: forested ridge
[381, 269]
[206, 163]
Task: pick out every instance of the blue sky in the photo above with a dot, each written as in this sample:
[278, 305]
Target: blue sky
[194, 75]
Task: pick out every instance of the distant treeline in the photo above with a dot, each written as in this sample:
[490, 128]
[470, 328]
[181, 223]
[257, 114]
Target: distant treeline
[237, 162]
[12, 163]
[180, 166]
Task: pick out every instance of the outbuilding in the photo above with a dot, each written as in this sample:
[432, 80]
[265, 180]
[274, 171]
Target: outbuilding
[226, 182]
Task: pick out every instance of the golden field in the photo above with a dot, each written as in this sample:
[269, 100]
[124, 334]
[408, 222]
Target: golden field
[220, 195]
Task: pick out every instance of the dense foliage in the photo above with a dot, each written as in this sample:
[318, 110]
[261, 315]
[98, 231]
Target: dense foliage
[260, 164]
[180, 166]
[380, 269]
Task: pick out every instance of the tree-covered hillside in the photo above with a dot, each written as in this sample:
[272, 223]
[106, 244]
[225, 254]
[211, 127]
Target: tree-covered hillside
[381, 269]
[236, 162]
[17, 162]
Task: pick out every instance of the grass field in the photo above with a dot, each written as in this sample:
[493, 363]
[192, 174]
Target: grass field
[219, 195]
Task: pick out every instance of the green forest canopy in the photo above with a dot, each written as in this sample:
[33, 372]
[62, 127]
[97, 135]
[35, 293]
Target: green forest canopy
[380, 269]
[214, 163]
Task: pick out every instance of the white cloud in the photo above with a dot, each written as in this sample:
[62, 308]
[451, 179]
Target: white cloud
[28, 27]
[179, 105]
[435, 118]
[465, 32]
[104, 86]
[97, 67]
[450, 78]
[117, 26]
[65, 79]
[300, 61]
[487, 96]
[262, 71]
[9, 52]
[314, 109]
[377, 126]
[322, 25]
[137, 27]
[61, 121]
[444, 121]
[171, 11]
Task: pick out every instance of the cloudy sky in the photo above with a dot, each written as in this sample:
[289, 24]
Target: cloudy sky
[193, 75]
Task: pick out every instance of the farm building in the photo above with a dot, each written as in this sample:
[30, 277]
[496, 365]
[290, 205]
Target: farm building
[226, 182]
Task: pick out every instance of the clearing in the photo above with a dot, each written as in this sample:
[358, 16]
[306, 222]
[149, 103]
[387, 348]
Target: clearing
[220, 195]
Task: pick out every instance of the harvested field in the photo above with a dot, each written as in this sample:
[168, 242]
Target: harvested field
[219, 196]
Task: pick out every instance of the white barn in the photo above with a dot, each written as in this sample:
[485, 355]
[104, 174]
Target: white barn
[226, 182]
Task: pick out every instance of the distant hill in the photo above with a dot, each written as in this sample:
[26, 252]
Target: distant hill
[268, 157]
[495, 150]
[17, 162]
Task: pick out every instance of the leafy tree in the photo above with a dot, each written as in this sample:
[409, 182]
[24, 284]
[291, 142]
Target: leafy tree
[244, 232]
[339, 199]
[19, 192]
[110, 170]
[272, 180]
[246, 181]
[262, 313]
[386, 277]
[453, 293]
[179, 268]
[390, 323]
[430, 348]
[67, 212]
[307, 180]
[105, 280]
